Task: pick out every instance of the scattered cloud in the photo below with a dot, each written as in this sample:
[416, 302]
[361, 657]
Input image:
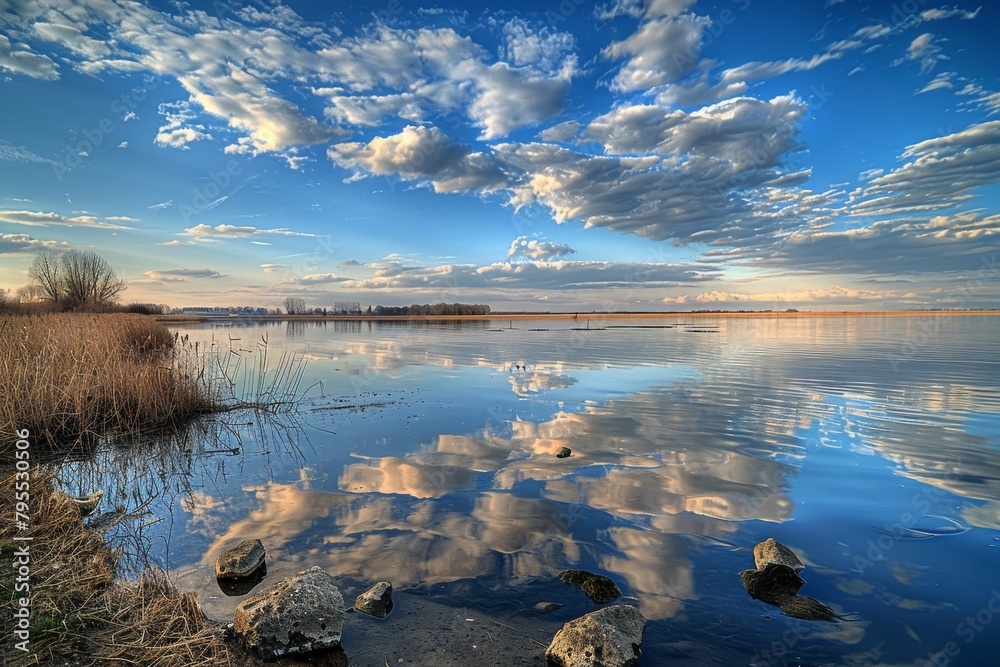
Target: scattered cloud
[181, 275]
[421, 154]
[40, 219]
[22, 243]
[24, 61]
[12, 153]
[535, 249]
[273, 268]
[237, 232]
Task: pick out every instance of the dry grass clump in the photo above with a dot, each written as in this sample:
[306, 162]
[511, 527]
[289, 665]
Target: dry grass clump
[70, 378]
[80, 614]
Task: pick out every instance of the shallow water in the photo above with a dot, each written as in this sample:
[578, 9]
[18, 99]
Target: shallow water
[425, 454]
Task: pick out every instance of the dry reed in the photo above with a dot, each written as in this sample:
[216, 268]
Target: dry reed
[71, 378]
[80, 613]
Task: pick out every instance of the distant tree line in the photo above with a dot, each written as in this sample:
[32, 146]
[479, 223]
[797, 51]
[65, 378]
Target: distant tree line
[345, 308]
[435, 309]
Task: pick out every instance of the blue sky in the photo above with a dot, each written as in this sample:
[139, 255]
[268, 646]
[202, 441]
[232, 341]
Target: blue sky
[627, 155]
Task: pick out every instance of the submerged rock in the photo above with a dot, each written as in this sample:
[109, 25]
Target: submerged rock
[564, 452]
[598, 588]
[376, 601]
[776, 581]
[807, 609]
[772, 551]
[240, 562]
[609, 637]
[771, 582]
[237, 587]
[546, 607]
[300, 614]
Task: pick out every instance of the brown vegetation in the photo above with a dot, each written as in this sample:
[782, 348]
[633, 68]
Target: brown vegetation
[71, 378]
[80, 613]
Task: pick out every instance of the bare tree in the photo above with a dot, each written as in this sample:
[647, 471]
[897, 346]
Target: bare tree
[88, 278]
[295, 306]
[45, 272]
[29, 293]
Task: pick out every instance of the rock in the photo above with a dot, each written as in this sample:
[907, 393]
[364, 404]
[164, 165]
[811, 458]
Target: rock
[609, 637]
[376, 601]
[598, 588]
[241, 561]
[300, 614]
[237, 587]
[546, 607]
[772, 551]
[564, 452]
[776, 581]
[771, 582]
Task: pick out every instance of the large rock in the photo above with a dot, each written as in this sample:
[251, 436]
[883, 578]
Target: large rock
[376, 601]
[609, 637]
[300, 614]
[240, 562]
[772, 551]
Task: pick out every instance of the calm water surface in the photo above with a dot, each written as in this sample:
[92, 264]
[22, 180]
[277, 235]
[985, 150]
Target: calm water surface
[425, 454]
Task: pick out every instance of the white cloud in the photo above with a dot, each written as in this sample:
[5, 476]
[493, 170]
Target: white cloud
[941, 172]
[13, 153]
[535, 249]
[510, 98]
[659, 52]
[421, 154]
[746, 132]
[561, 132]
[941, 82]
[936, 14]
[273, 268]
[238, 232]
[40, 219]
[22, 243]
[836, 293]
[181, 275]
[543, 49]
[926, 49]
[23, 61]
[71, 38]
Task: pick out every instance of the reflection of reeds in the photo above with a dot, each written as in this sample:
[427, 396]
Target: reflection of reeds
[79, 612]
[74, 378]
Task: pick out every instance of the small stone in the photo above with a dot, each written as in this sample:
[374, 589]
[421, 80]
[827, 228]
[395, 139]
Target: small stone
[376, 601]
[241, 561]
[598, 588]
[772, 551]
[546, 607]
[609, 637]
[564, 452]
[300, 614]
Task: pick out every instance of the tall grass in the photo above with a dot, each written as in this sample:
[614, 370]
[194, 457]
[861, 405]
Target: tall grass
[71, 378]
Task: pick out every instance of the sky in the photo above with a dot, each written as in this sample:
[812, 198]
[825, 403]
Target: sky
[554, 155]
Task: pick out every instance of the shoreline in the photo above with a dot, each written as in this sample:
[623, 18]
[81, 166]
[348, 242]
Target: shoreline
[167, 319]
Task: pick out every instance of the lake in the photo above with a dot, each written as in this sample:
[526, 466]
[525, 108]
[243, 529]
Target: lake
[425, 454]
